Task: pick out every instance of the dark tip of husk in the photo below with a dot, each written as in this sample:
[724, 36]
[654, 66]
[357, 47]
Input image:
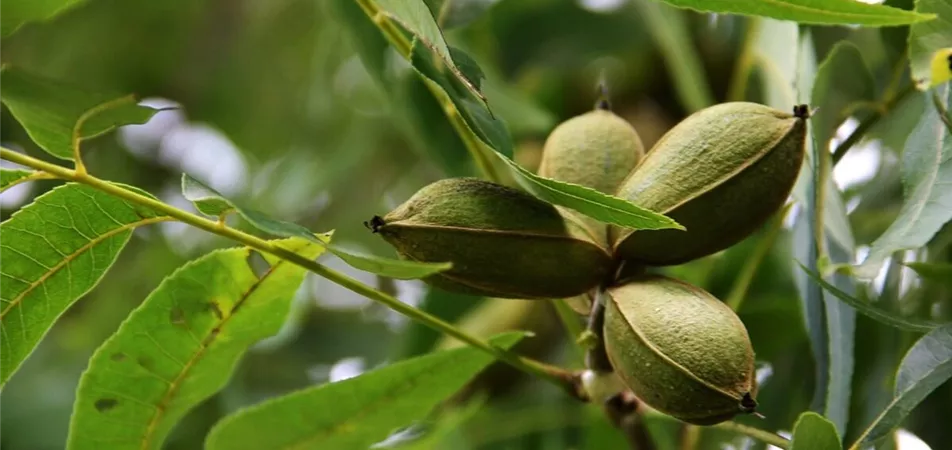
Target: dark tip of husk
[374, 224]
[802, 111]
[603, 103]
[748, 404]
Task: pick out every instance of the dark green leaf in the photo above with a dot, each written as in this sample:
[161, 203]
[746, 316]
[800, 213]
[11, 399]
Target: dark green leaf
[16, 13]
[12, 177]
[927, 38]
[50, 110]
[926, 366]
[458, 13]
[926, 174]
[670, 32]
[209, 199]
[468, 67]
[354, 413]
[180, 346]
[590, 202]
[872, 311]
[842, 81]
[830, 12]
[54, 251]
[813, 432]
[937, 272]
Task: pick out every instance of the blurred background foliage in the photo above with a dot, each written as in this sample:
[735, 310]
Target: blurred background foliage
[275, 108]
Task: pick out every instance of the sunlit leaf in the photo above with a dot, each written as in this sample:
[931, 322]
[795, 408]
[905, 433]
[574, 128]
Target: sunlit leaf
[208, 200]
[926, 171]
[813, 432]
[929, 44]
[871, 311]
[180, 346]
[829, 12]
[926, 366]
[49, 110]
[357, 412]
[16, 13]
[54, 251]
[12, 177]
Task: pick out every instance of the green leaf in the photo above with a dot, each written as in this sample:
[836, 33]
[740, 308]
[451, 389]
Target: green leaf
[813, 432]
[928, 38]
[54, 251]
[16, 13]
[181, 345]
[458, 13]
[818, 12]
[370, 45]
[926, 170]
[590, 202]
[12, 177]
[209, 201]
[354, 413]
[937, 272]
[926, 366]
[670, 33]
[871, 311]
[842, 80]
[51, 110]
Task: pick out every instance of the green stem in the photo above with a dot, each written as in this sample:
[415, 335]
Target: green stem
[742, 283]
[756, 433]
[549, 373]
[819, 201]
[391, 31]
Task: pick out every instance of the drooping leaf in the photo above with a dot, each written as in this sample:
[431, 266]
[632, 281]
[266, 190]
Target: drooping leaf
[828, 12]
[937, 272]
[926, 171]
[590, 202]
[13, 177]
[16, 13]
[841, 330]
[54, 251]
[354, 413]
[926, 366]
[50, 110]
[813, 432]
[669, 30]
[209, 201]
[872, 311]
[180, 346]
[929, 44]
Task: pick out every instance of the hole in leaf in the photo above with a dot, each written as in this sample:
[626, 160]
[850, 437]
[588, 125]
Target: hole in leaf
[105, 404]
[259, 266]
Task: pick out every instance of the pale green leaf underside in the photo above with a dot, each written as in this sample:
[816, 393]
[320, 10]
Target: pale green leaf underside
[820, 12]
[813, 432]
[12, 177]
[54, 251]
[180, 346]
[926, 38]
[16, 13]
[926, 366]
[210, 202]
[926, 170]
[354, 413]
[50, 109]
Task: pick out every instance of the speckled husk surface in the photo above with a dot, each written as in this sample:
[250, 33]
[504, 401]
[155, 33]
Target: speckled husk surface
[679, 349]
[721, 172]
[502, 241]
